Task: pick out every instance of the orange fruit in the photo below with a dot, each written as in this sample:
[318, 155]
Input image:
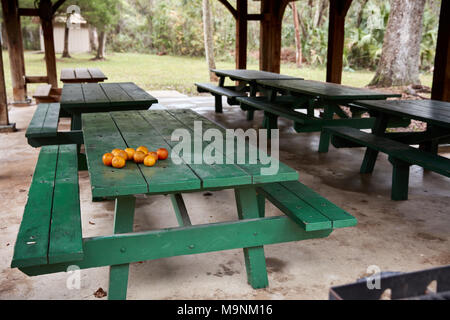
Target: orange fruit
[153, 153]
[120, 153]
[107, 159]
[118, 162]
[143, 149]
[139, 156]
[130, 152]
[162, 153]
[149, 161]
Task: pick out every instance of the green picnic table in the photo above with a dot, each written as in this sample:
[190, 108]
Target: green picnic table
[78, 98]
[311, 95]
[397, 145]
[55, 187]
[246, 78]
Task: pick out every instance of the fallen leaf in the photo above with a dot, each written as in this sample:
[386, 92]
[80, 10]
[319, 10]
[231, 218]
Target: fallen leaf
[90, 222]
[100, 293]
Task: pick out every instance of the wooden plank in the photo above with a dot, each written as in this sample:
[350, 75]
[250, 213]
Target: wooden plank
[36, 123]
[67, 74]
[284, 173]
[170, 242]
[208, 87]
[295, 207]
[325, 90]
[94, 95]
[338, 217]
[137, 94]
[31, 246]
[65, 230]
[252, 75]
[50, 125]
[82, 74]
[72, 96]
[97, 74]
[165, 175]
[115, 93]
[101, 135]
[211, 175]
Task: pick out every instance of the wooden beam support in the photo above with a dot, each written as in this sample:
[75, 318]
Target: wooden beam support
[270, 34]
[11, 20]
[441, 75]
[230, 8]
[336, 35]
[56, 6]
[5, 126]
[46, 15]
[241, 34]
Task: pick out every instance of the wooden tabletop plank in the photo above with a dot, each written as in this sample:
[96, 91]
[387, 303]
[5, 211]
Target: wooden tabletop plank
[165, 175]
[82, 74]
[101, 135]
[212, 175]
[72, 95]
[67, 74]
[326, 90]
[116, 95]
[431, 111]
[94, 94]
[97, 74]
[136, 93]
[252, 75]
[285, 173]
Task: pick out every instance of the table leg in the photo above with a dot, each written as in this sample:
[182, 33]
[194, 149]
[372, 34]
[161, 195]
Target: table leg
[370, 156]
[180, 210]
[325, 136]
[255, 262]
[400, 179]
[123, 223]
[218, 103]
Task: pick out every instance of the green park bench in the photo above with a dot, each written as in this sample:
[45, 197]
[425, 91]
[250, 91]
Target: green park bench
[401, 155]
[50, 231]
[218, 91]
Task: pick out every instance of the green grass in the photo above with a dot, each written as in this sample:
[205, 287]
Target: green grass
[153, 72]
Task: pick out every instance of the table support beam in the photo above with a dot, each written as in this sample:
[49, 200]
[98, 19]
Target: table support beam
[170, 242]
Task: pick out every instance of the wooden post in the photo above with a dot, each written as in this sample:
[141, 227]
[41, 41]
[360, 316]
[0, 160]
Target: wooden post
[46, 16]
[336, 34]
[11, 19]
[5, 126]
[270, 34]
[441, 75]
[241, 34]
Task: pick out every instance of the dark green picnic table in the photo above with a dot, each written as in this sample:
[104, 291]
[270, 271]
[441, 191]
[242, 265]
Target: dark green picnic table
[311, 95]
[308, 215]
[78, 98]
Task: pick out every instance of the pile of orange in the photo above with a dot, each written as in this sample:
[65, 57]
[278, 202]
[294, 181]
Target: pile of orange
[118, 157]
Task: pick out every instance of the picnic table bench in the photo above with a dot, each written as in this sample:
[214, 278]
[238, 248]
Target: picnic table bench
[310, 95]
[246, 80]
[398, 145]
[82, 75]
[50, 237]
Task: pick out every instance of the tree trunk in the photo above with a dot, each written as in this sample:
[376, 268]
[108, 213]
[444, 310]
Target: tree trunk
[101, 46]
[208, 38]
[360, 13]
[298, 44]
[65, 53]
[318, 16]
[400, 57]
[93, 38]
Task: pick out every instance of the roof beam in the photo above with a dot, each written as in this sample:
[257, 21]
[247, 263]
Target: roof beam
[230, 8]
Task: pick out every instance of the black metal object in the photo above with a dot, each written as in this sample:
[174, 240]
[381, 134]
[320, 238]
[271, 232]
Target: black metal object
[412, 285]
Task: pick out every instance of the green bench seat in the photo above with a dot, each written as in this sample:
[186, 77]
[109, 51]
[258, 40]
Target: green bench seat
[402, 156]
[304, 206]
[218, 92]
[43, 127]
[50, 231]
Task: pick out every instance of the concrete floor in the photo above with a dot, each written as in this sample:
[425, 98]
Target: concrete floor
[395, 236]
